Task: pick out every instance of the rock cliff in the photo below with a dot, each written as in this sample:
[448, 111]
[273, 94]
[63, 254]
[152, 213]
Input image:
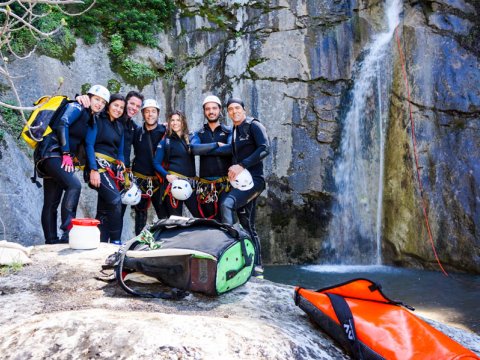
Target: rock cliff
[294, 62]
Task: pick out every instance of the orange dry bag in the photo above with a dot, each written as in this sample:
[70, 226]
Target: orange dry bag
[371, 326]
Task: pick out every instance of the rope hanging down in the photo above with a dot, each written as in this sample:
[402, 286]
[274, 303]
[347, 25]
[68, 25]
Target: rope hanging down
[414, 140]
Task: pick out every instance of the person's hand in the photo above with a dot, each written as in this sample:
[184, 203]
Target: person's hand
[67, 163]
[83, 100]
[220, 144]
[233, 171]
[171, 178]
[95, 178]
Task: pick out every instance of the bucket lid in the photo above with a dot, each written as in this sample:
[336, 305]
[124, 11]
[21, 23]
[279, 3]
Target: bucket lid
[85, 222]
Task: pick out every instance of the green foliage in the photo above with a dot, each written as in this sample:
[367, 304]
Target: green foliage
[136, 73]
[114, 86]
[12, 120]
[169, 69]
[132, 21]
[116, 45]
[216, 14]
[11, 269]
[85, 87]
[61, 45]
[124, 24]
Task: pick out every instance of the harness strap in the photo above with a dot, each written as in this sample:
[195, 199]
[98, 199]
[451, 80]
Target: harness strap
[106, 162]
[105, 157]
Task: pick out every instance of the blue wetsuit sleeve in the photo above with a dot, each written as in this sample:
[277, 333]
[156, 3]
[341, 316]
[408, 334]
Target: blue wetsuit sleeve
[224, 150]
[263, 145]
[90, 146]
[197, 148]
[70, 115]
[157, 160]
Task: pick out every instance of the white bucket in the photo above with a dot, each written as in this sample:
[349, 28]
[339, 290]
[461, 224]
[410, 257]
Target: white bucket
[84, 234]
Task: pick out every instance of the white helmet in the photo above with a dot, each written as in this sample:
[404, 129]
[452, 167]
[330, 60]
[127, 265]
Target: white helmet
[243, 181]
[100, 91]
[150, 103]
[131, 196]
[212, 98]
[181, 189]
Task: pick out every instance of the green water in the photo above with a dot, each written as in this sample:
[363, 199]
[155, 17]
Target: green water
[453, 300]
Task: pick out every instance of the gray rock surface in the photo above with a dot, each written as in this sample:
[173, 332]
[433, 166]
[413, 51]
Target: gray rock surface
[293, 63]
[56, 309]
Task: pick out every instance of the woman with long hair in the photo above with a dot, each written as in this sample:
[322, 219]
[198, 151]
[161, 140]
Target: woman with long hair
[104, 148]
[175, 159]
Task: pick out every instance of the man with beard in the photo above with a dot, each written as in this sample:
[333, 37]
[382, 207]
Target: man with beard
[213, 182]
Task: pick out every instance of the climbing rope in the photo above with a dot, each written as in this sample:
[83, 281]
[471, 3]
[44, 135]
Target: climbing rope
[415, 153]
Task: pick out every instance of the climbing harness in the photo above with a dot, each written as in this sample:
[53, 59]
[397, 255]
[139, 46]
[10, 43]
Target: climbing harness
[208, 191]
[149, 186]
[106, 164]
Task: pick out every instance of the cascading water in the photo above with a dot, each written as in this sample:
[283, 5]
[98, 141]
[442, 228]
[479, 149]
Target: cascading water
[355, 229]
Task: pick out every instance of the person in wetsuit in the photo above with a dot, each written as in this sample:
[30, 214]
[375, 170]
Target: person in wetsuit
[213, 185]
[134, 101]
[145, 141]
[55, 162]
[250, 145]
[105, 167]
[175, 159]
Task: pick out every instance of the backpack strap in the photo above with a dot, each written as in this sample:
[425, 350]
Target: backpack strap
[345, 317]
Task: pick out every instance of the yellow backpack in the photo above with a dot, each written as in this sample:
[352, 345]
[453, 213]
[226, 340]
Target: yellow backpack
[43, 119]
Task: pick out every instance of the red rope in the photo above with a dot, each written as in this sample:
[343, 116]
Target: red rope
[414, 140]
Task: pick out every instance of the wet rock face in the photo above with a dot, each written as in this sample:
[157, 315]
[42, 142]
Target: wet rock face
[292, 62]
[444, 73]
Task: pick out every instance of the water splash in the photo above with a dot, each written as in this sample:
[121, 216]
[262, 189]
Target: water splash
[355, 230]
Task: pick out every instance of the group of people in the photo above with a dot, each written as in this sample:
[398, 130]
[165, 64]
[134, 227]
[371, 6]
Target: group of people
[99, 128]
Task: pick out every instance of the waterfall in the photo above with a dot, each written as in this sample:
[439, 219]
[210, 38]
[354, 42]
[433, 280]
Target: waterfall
[355, 229]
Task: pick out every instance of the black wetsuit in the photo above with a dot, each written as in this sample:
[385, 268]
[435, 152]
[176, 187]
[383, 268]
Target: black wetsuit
[106, 138]
[179, 159]
[129, 127]
[213, 183]
[250, 145]
[144, 145]
[67, 138]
